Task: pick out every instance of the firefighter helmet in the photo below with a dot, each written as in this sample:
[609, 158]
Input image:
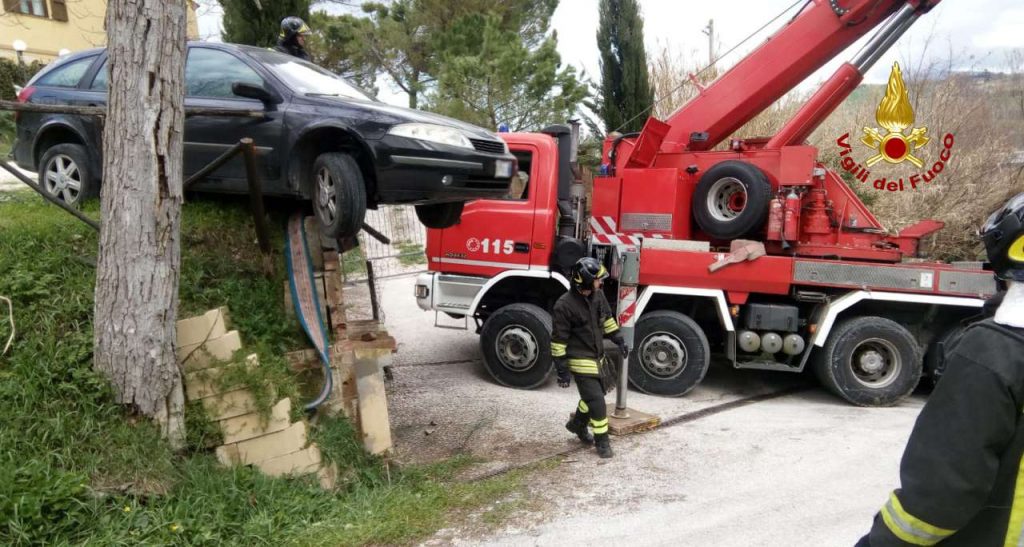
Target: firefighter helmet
[585, 271]
[293, 26]
[1003, 235]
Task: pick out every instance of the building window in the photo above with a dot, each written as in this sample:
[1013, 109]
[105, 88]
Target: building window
[33, 7]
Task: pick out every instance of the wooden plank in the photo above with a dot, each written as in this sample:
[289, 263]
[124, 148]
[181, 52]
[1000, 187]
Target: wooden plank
[217, 350]
[207, 382]
[374, 421]
[228, 405]
[291, 439]
[196, 330]
[301, 462]
[252, 425]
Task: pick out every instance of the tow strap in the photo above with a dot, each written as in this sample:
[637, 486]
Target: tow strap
[302, 283]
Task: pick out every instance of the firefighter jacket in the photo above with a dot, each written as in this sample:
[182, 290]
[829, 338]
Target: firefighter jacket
[579, 325]
[962, 474]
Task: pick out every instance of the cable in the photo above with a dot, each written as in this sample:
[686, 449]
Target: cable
[713, 63]
[10, 310]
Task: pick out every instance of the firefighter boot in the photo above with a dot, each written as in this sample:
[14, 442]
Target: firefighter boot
[604, 447]
[578, 425]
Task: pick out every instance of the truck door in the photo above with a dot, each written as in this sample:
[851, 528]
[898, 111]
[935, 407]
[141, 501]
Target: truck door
[494, 235]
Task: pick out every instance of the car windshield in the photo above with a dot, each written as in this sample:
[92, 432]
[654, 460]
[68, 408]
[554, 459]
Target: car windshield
[305, 77]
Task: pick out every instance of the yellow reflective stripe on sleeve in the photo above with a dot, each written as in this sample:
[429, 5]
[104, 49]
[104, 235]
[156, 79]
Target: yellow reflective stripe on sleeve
[599, 426]
[1015, 530]
[583, 366]
[910, 528]
[557, 350]
[610, 326]
[583, 407]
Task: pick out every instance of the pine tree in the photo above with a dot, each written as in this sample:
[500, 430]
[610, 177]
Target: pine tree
[626, 90]
[258, 22]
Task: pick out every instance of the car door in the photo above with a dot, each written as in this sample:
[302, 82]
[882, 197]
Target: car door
[209, 75]
[480, 244]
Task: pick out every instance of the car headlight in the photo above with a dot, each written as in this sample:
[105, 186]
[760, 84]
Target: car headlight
[432, 133]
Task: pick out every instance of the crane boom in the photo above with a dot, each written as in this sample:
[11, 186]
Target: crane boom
[820, 31]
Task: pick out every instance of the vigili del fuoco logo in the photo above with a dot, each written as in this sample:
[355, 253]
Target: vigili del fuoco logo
[893, 144]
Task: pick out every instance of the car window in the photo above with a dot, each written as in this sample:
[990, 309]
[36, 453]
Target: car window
[68, 74]
[99, 82]
[305, 77]
[210, 73]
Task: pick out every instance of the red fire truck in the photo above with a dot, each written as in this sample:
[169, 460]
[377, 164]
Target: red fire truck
[753, 251]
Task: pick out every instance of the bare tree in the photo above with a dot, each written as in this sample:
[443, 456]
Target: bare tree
[138, 267]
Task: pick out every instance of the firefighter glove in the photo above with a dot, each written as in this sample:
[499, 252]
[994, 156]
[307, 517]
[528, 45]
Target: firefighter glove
[621, 343]
[563, 372]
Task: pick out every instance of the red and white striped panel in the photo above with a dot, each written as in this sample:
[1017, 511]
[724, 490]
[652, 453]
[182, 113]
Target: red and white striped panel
[627, 306]
[604, 231]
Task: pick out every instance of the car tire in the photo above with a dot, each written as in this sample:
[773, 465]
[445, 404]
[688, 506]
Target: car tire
[440, 215]
[731, 200]
[869, 361]
[671, 355]
[339, 195]
[516, 345]
[64, 173]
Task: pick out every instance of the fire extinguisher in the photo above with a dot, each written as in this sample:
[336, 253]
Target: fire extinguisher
[775, 219]
[791, 223]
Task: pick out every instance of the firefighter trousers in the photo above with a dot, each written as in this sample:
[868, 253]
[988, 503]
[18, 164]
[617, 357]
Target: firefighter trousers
[592, 408]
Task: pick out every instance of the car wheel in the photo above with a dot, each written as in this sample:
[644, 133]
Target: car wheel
[516, 345]
[339, 195]
[671, 356]
[869, 361]
[64, 173]
[731, 200]
[440, 215]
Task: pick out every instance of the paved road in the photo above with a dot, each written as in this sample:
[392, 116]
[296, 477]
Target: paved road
[803, 469]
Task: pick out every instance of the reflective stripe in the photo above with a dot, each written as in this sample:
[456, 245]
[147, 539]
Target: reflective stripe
[583, 366]
[599, 426]
[583, 407]
[610, 326]
[557, 350]
[1015, 530]
[910, 528]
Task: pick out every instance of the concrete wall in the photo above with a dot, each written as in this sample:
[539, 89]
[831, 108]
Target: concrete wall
[45, 36]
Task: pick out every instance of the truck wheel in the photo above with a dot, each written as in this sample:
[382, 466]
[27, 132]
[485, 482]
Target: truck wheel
[938, 350]
[339, 195]
[64, 173]
[516, 343]
[671, 355]
[440, 215]
[869, 361]
[731, 200]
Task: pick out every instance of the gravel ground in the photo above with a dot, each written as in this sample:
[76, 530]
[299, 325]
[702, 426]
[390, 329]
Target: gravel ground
[802, 469]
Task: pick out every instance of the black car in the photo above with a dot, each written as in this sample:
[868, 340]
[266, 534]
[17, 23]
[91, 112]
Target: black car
[319, 138]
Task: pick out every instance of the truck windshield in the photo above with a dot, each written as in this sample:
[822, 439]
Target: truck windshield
[307, 78]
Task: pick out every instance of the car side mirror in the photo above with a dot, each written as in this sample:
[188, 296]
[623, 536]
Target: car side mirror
[258, 92]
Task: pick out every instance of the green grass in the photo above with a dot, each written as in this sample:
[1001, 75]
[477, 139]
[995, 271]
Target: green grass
[75, 468]
[411, 254]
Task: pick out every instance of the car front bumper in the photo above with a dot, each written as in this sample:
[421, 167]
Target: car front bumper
[411, 171]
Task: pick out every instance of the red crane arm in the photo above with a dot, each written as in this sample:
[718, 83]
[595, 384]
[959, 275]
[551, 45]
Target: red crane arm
[819, 32]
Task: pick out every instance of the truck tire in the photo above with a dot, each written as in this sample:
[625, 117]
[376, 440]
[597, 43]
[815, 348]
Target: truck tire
[731, 200]
[869, 361]
[440, 215]
[939, 349]
[339, 195]
[671, 355]
[516, 344]
[64, 173]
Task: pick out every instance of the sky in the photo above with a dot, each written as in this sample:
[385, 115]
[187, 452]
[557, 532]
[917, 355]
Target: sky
[977, 33]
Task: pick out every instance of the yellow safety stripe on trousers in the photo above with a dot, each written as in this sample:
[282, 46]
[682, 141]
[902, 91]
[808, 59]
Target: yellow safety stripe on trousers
[599, 426]
[557, 350]
[910, 528]
[583, 407]
[1015, 530]
[584, 366]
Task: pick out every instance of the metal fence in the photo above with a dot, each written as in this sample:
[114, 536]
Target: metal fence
[404, 255]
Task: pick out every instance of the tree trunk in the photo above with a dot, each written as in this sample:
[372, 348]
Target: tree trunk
[139, 257]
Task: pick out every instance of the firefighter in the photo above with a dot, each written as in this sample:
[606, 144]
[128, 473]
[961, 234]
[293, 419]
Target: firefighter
[581, 321]
[292, 39]
[962, 474]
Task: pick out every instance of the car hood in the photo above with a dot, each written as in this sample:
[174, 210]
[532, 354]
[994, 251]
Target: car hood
[408, 115]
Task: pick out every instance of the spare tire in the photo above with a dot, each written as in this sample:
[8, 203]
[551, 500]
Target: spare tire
[731, 200]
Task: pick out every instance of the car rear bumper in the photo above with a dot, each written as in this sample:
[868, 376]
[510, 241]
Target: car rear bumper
[411, 171]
